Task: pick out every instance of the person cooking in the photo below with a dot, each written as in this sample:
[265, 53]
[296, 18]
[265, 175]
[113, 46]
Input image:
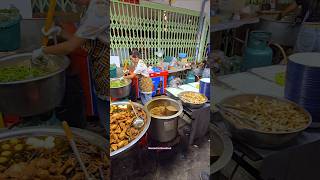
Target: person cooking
[308, 39]
[93, 36]
[139, 75]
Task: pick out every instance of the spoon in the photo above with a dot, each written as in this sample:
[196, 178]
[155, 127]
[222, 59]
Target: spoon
[138, 122]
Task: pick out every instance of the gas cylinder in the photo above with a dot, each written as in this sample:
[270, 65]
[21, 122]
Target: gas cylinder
[257, 53]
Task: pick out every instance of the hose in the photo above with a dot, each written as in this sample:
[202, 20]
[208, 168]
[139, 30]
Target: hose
[285, 58]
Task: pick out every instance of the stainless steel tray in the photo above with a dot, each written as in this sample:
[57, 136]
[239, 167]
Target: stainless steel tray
[122, 150]
[91, 137]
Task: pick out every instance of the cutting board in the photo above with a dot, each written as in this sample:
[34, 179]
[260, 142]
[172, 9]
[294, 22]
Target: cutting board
[269, 72]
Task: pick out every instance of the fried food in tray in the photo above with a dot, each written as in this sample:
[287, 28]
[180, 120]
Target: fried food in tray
[122, 131]
[272, 115]
[49, 158]
[192, 97]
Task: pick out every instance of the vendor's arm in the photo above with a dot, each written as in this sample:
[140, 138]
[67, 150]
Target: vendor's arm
[131, 76]
[66, 35]
[66, 47]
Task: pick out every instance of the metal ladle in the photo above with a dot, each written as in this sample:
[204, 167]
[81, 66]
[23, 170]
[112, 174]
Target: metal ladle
[138, 122]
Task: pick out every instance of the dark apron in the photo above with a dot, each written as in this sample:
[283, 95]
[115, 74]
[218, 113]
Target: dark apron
[99, 57]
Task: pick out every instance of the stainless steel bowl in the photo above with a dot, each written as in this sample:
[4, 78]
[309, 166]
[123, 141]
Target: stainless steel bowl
[164, 128]
[123, 150]
[121, 92]
[283, 32]
[259, 138]
[221, 146]
[91, 137]
[191, 105]
[36, 95]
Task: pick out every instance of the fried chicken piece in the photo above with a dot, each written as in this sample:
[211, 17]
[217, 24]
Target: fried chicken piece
[58, 177]
[69, 163]
[43, 174]
[79, 176]
[43, 163]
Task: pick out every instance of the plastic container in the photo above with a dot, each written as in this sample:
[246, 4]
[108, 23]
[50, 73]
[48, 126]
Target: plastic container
[258, 53]
[113, 71]
[182, 55]
[10, 35]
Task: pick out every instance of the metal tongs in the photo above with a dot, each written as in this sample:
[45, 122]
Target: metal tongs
[73, 145]
[245, 120]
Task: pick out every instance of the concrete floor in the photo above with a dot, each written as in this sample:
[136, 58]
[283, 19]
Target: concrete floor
[143, 164]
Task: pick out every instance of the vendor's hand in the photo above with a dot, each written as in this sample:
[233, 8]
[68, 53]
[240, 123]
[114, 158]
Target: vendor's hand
[52, 32]
[37, 56]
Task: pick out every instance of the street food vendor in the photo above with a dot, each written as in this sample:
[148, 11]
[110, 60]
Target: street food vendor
[93, 36]
[308, 39]
[139, 74]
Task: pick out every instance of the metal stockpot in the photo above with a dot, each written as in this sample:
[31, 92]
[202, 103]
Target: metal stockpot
[33, 96]
[163, 128]
[255, 137]
[121, 92]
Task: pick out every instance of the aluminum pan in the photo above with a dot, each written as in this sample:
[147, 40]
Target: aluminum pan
[91, 137]
[193, 106]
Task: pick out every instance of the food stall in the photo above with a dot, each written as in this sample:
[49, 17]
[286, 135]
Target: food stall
[37, 141]
[262, 100]
[172, 43]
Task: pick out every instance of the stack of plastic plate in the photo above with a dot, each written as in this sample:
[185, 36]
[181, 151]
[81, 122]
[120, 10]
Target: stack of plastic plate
[303, 83]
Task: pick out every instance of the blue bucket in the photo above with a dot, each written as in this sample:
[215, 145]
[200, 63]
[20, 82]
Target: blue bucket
[205, 87]
[10, 35]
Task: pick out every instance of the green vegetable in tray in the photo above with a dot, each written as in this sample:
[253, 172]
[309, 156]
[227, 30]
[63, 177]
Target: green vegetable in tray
[118, 83]
[9, 74]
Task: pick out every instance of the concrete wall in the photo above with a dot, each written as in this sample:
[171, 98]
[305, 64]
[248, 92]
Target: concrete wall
[187, 4]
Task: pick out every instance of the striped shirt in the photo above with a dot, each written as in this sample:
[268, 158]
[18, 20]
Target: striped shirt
[94, 23]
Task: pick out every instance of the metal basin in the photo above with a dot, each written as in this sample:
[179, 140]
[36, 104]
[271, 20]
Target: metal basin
[121, 92]
[122, 151]
[283, 32]
[221, 146]
[164, 128]
[259, 138]
[191, 105]
[33, 96]
[91, 137]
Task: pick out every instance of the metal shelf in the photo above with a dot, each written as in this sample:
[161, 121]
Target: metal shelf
[233, 24]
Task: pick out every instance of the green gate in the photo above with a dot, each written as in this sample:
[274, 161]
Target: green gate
[150, 27]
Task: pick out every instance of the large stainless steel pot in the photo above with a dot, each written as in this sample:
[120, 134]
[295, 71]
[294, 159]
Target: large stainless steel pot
[91, 137]
[255, 137]
[283, 32]
[33, 96]
[122, 151]
[164, 128]
[121, 92]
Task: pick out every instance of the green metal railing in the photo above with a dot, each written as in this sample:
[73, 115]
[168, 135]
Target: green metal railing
[150, 27]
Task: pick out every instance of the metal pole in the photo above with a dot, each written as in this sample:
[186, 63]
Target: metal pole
[200, 28]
